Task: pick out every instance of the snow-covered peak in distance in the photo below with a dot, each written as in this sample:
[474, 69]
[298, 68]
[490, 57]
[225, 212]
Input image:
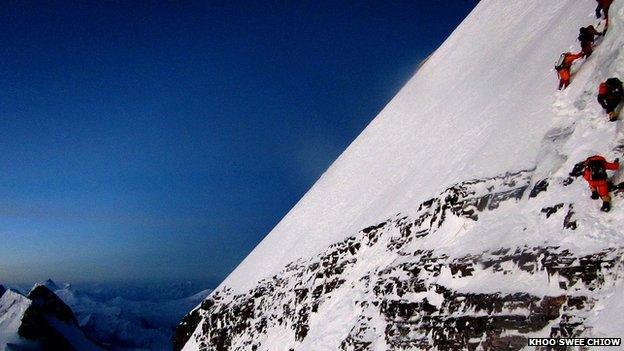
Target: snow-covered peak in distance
[39, 321]
[50, 284]
[478, 107]
[12, 308]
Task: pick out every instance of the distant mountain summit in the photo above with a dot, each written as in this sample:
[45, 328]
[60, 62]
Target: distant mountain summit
[51, 305]
[39, 321]
[50, 284]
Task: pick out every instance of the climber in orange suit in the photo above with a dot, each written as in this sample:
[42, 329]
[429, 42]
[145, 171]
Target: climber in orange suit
[563, 69]
[595, 173]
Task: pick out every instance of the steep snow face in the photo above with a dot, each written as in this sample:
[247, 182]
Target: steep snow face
[452, 222]
[478, 107]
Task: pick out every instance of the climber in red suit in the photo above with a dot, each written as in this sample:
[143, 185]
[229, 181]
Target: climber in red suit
[563, 70]
[595, 173]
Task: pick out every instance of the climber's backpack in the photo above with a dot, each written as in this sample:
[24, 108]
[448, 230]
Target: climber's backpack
[614, 85]
[585, 35]
[597, 169]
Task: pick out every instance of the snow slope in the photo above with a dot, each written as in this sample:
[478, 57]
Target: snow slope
[478, 107]
[451, 222]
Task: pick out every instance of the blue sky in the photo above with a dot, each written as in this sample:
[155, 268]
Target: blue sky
[147, 141]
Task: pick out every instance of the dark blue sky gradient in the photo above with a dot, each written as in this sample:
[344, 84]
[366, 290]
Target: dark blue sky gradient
[162, 140]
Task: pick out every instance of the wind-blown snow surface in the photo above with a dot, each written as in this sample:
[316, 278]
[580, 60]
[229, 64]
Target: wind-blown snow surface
[493, 241]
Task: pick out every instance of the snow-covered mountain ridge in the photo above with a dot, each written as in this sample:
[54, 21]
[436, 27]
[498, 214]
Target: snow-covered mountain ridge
[94, 316]
[475, 236]
[39, 321]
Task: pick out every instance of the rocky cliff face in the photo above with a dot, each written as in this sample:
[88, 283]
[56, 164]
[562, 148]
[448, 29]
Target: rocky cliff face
[416, 297]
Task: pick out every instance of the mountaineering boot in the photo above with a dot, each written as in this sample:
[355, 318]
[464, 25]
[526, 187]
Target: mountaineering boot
[595, 195]
[612, 116]
[606, 206]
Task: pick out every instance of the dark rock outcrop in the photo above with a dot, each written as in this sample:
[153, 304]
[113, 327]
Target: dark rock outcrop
[50, 304]
[36, 327]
